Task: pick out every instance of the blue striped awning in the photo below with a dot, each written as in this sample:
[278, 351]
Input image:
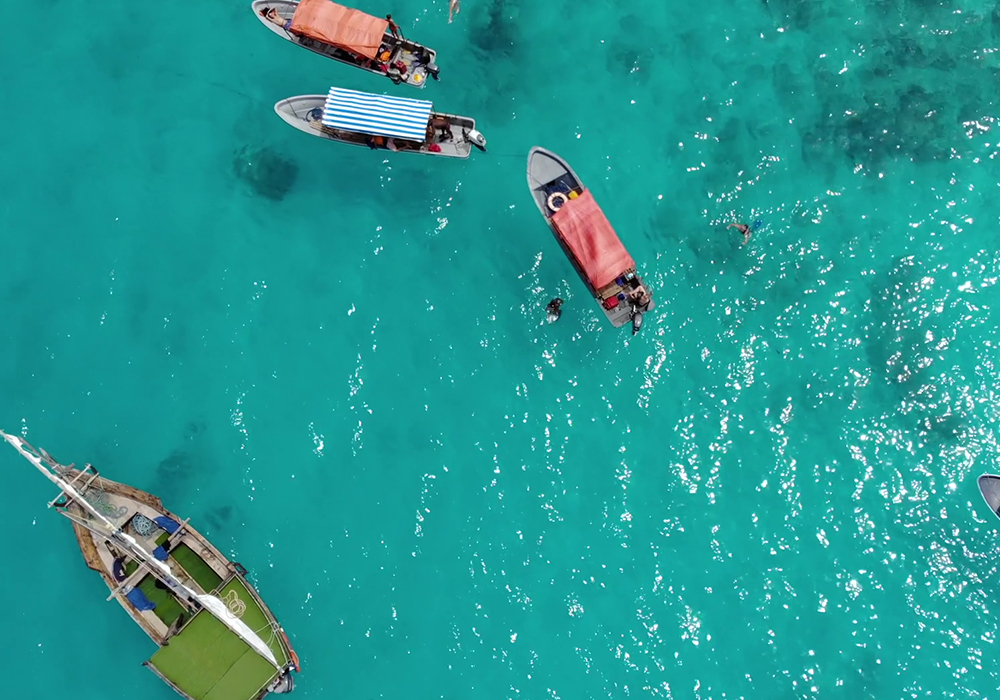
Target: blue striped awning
[379, 115]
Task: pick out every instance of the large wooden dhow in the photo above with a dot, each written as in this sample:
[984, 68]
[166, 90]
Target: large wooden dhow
[217, 639]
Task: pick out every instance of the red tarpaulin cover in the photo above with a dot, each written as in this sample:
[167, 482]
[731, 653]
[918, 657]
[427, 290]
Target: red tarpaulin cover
[587, 232]
[341, 26]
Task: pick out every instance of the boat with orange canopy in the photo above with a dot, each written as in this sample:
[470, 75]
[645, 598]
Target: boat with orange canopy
[588, 239]
[349, 36]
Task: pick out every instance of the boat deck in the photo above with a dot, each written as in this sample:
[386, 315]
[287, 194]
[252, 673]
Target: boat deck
[190, 557]
[206, 661]
[168, 608]
[621, 290]
[449, 139]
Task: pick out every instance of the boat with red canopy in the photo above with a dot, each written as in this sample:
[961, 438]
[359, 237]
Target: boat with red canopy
[588, 239]
[349, 36]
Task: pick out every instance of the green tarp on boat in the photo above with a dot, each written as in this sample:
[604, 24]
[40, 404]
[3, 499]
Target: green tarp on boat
[208, 661]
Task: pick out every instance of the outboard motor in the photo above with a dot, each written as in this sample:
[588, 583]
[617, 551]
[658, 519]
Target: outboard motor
[476, 139]
[433, 70]
[636, 322]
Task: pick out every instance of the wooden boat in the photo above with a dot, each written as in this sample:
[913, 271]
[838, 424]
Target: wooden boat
[381, 121]
[989, 486]
[349, 36]
[218, 640]
[588, 239]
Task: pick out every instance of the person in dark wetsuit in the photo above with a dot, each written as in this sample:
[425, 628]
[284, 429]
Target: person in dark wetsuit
[552, 311]
[742, 228]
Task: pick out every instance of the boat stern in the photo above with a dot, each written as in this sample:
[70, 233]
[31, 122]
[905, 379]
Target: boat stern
[283, 684]
[413, 64]
[626, 300]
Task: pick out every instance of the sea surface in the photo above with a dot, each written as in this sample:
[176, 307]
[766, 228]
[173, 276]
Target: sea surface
[335, 361]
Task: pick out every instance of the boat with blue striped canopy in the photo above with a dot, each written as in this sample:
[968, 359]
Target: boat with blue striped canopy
[382, 122]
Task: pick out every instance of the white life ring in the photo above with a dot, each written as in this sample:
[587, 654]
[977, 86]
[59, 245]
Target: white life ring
[557, 196]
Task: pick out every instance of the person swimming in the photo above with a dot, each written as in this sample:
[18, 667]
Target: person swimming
[552, 311]
[742, 228]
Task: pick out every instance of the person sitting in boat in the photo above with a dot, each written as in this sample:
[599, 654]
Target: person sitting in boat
[404, 145]
[640, 297]
[272, 16]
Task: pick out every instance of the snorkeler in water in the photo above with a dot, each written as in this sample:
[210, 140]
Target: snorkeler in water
[552, 311]
[742, 228]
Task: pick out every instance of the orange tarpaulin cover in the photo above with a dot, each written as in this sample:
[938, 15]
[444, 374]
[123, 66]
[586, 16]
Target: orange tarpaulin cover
[341, 26]
[587, 232]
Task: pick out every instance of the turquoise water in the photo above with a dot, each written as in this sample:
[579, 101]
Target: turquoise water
[338, 369]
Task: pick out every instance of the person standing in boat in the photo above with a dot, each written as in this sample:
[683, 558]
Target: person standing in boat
[454, 7]
[393, 27]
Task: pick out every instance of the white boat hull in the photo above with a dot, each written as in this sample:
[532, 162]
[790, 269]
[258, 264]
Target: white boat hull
[304, 112]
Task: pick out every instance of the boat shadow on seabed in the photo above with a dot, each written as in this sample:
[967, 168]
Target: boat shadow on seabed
[267, 172]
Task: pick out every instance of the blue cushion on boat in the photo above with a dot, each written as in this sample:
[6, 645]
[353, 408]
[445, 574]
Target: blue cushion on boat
[160, 553]
[139, 600]
[168, 524]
